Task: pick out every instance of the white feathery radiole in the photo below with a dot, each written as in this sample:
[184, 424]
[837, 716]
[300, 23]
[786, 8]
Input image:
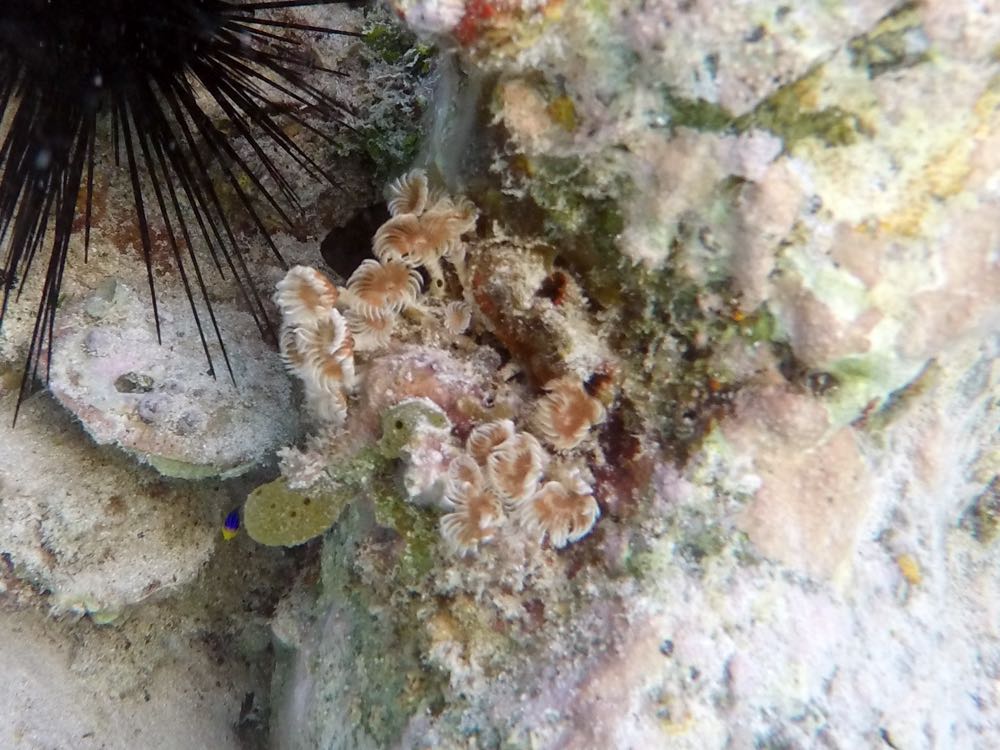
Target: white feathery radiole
[304, 295]
[487, 436]
[379, 287]
[515, 467]
[564, 514]
[408, 194]
[565, 414]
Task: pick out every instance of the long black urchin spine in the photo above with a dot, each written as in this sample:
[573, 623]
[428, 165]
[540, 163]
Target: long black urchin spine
[82, 81]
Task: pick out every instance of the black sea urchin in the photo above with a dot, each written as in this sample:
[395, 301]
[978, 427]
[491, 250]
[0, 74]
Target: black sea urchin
[133, 79]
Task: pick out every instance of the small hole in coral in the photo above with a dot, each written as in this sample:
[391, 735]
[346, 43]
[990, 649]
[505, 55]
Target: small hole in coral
[307, 501]
[439, 283]
[292, 514]
[554, 287]
[399, 424]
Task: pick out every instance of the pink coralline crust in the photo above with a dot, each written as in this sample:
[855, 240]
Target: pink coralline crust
[966, 30]
[967, 302]
[815, 486]
[766, 211]
[423, 371]
[815, 333]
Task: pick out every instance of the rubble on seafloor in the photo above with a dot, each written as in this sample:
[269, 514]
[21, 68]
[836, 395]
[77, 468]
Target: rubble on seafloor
[662, 412]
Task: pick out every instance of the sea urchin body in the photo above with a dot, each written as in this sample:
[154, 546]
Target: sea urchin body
[159, 85]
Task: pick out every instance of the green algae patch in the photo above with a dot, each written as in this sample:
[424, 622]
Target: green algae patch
[389, 133]
[391, 145]
[413, 556]
[698, 114]
[898, 41]
[985, 513]
[418, 530]
[867, 381]
[278, 516]
[563, 113]
[786, 114]
[176, 469]
[392, 43]
[382, 660]
[402, 422]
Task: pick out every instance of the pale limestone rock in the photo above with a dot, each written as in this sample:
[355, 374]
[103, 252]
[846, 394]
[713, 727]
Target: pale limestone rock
[113, 537]
[158, 401]
[815, 486]
[767, 211]
[46, 702]
[966, 29]
[737, 54]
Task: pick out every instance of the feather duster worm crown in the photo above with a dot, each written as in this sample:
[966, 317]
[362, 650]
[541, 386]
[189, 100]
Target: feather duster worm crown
[564, 514]
[80, 80]
[565, 414]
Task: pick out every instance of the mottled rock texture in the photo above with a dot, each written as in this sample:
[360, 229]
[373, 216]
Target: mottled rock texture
[781, 220]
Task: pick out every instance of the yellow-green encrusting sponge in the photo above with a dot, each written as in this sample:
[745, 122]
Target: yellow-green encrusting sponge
[278, 516]
[404, 421]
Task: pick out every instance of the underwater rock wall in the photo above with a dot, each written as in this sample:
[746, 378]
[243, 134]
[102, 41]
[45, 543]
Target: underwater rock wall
[779, 224]
[663, 413]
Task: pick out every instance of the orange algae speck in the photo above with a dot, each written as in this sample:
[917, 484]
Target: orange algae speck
[477, 13]
[910, 569]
